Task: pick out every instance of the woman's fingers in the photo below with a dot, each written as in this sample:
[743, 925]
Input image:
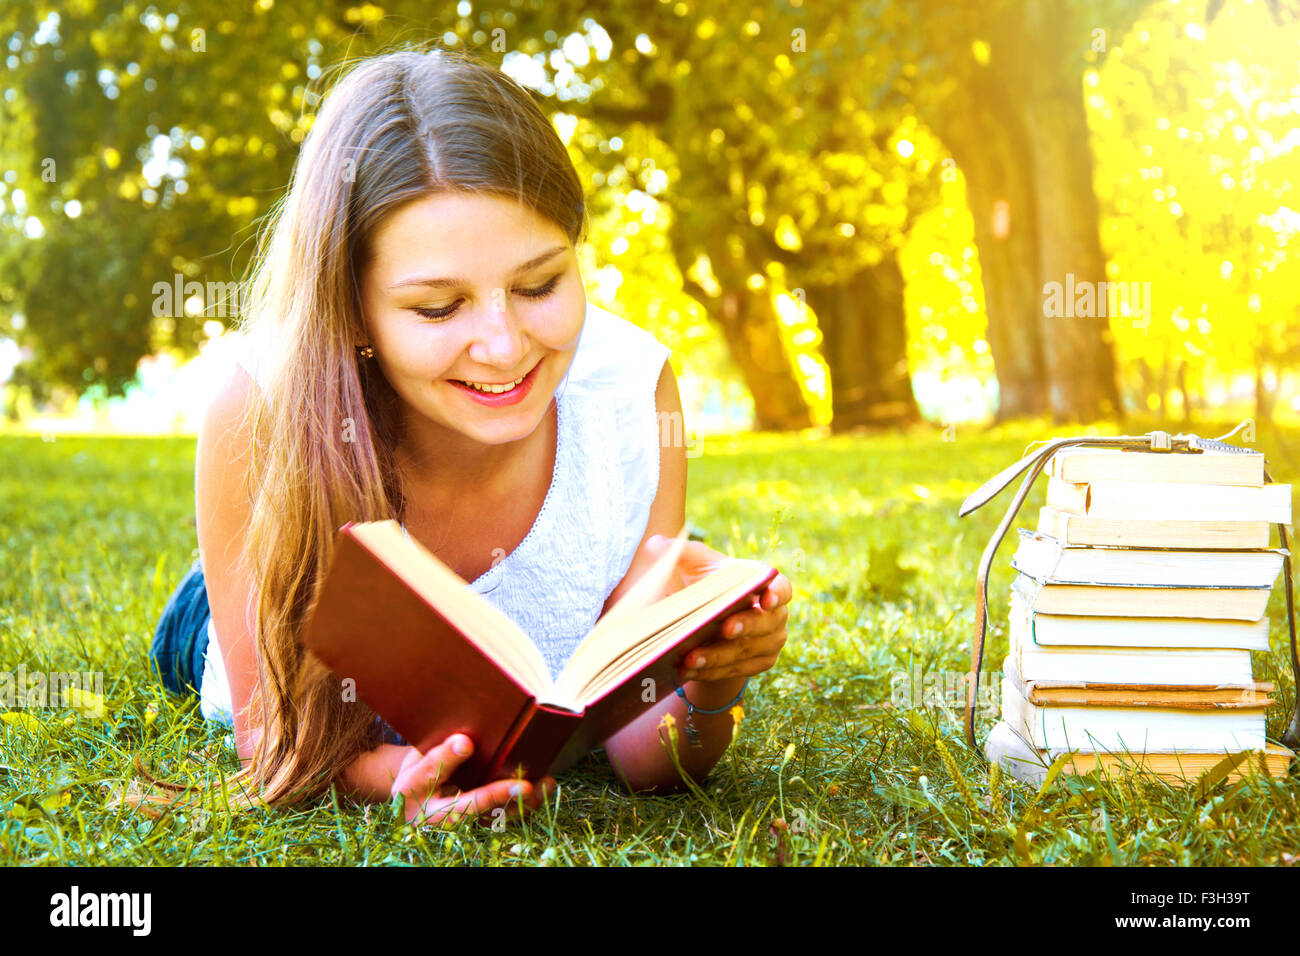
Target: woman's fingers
[746, 667]
[754, 623]
[498, 800]
[753, 650]
[422, 778]
[768, 612]
[761, 632]
[499, 795]
[745, 663]
[542, 791]
[778, 591]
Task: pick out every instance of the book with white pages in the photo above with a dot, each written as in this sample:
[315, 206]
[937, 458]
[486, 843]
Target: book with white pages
[1143, 600]
[1133, 729]
[1088, 630]
[1047, 559]
[1082, 463]
[1163, 500]
[1134, 533]
[1022, 760]
[1080, 693]
[1197, 666]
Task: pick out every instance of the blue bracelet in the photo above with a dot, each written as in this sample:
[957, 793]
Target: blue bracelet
[692, 709]
[692, 733]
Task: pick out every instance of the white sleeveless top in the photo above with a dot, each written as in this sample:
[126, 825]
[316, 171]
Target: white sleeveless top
[555, 583]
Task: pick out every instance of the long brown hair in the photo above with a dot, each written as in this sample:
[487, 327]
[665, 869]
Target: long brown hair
[394, 128]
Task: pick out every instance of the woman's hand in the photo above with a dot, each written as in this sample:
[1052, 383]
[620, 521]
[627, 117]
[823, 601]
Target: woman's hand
[429, 800]
[751, 639]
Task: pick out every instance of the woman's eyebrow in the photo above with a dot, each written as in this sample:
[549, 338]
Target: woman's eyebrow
[440, 283]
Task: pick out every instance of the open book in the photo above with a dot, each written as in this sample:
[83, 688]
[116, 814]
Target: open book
[434, 658]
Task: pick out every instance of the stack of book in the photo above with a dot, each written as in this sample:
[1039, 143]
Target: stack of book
[1138, 601]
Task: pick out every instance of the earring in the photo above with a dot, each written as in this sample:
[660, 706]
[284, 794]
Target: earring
[366, 351]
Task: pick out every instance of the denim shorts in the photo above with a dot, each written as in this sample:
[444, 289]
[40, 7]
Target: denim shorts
[181, 640]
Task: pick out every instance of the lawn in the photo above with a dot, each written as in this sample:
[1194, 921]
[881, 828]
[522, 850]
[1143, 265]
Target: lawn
[831, 765]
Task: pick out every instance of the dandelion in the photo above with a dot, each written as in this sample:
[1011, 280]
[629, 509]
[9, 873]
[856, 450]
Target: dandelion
[32, 807]
[668, 724]
[737, 715]
[17, 718]
[87, 701]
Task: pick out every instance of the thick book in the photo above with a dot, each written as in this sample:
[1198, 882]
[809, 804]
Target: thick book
[1048, 559]
[1171, 501]
[434, 658]
[1018, 757]
[1124, 464]
[1125, 665]
[1091, 630]
[1134, 729]
[1122, 600]
[1152, 533]
[1082, 693]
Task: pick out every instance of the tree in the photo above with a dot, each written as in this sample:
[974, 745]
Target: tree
[1198, 169]
[783, 172]
[1003, 88]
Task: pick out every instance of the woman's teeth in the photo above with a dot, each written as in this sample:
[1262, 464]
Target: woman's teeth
[495, 389]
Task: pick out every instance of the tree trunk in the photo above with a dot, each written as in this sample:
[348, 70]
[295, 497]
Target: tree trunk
[1079, 350]
[751, 327]
[1162, 393]
[1183, 395]
[1263, 398]
[985, 137]
[864, 342]
[1017, 127]
[1146, 384]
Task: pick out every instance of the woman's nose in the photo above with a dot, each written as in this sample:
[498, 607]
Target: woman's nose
[497, 338]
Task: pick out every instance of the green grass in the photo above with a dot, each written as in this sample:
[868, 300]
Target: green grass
[97, 532]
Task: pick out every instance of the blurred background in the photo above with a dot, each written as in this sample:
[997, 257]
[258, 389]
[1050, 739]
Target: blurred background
[837, 214]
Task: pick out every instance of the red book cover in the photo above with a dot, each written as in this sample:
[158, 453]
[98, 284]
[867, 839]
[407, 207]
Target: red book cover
[417, 670]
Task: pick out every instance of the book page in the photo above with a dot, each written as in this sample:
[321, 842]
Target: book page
[469, 612]
[645, 591]
[616, 652]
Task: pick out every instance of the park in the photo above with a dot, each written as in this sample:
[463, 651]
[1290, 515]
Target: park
[888, 247]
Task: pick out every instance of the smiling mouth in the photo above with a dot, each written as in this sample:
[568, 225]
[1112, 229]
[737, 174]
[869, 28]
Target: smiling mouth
[496, 388]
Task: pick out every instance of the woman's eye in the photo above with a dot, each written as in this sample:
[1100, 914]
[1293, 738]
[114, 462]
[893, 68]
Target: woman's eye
[541, 291]
[442, 313]
[538, 292]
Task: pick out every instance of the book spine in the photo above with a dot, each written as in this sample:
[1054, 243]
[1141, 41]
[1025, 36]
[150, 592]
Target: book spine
[499, 759]
[534, 743]
[480, 769]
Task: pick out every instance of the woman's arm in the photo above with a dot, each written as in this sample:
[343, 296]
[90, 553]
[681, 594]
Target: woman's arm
[713, 675]
[639, 752]
[636, 752]
[222, 511]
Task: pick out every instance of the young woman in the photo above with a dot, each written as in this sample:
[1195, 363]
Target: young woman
[419, 345]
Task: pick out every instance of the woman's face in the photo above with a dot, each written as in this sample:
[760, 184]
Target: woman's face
[473, 288]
